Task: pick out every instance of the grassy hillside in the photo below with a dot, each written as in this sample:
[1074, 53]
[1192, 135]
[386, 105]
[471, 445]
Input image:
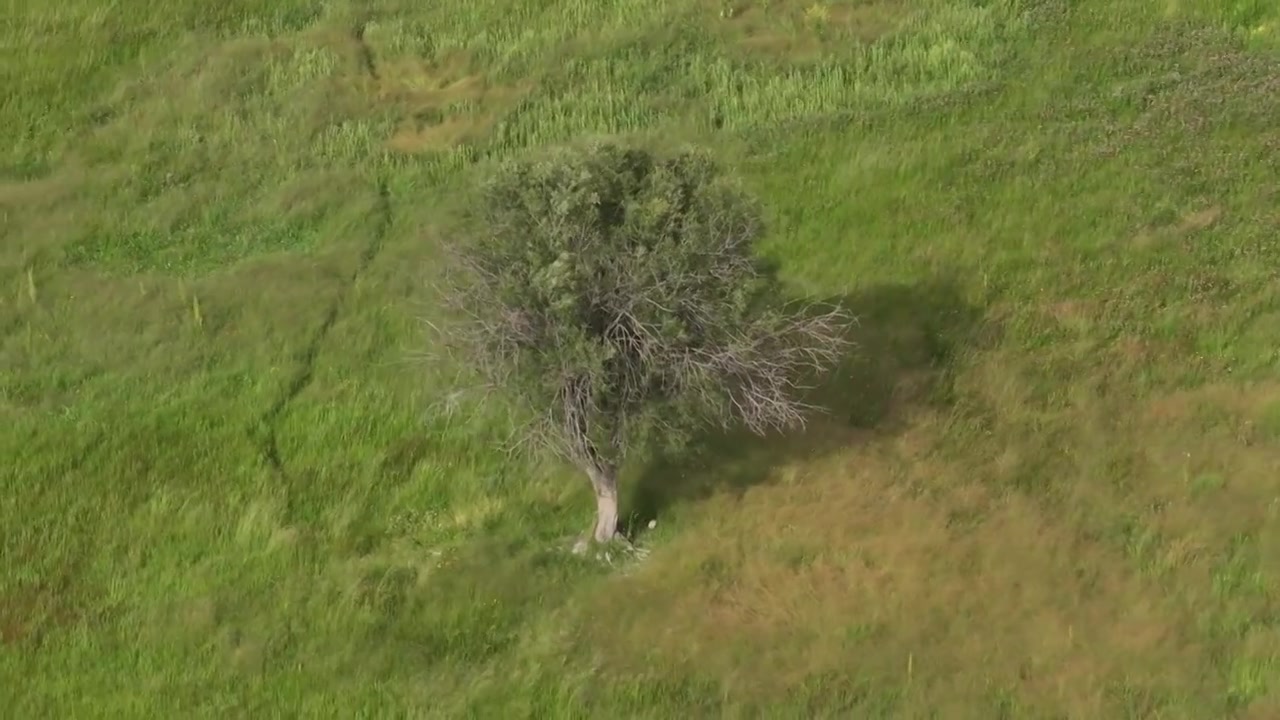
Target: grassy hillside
[1049, 487]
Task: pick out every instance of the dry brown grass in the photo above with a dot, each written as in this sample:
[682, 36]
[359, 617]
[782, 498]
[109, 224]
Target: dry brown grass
[804, 29]
[884, 561]
[1190, 223]
[850, 571]
[442, 104]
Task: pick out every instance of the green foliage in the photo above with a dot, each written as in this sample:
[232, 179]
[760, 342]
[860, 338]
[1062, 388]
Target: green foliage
[617, 293]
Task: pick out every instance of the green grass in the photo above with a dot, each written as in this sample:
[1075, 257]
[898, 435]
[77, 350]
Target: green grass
[1049, 486]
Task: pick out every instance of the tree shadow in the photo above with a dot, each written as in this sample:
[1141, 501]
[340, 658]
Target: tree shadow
[906, 340]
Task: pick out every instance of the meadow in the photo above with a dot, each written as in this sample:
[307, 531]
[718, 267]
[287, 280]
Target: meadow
[234, 484]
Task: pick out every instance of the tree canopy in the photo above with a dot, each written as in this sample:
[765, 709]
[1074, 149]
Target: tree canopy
[617, 293]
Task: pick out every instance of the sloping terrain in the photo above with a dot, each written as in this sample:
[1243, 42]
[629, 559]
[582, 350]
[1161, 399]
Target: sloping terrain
[1049, 485]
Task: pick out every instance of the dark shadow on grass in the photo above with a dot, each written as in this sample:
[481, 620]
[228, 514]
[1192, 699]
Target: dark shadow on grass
[907, 339]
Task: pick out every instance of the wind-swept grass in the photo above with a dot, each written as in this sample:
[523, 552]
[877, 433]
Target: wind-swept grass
[1048, 486]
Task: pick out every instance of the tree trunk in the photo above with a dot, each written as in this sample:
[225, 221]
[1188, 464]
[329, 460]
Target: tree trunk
[604, 480]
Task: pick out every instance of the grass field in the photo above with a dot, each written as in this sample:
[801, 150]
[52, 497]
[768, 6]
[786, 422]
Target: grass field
[1049, 486]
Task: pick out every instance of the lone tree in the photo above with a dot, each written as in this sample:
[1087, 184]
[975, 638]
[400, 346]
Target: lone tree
[616, 293]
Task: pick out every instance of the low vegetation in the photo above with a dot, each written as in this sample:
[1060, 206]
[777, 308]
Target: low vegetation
[236, 478]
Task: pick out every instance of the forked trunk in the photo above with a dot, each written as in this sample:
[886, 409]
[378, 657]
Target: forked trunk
[605, 482]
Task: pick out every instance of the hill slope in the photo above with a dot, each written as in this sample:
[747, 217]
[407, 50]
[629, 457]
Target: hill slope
[1050, 486]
